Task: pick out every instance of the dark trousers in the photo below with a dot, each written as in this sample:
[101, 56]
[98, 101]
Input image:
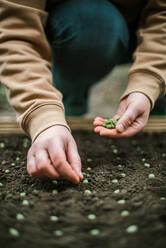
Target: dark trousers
[88, 38]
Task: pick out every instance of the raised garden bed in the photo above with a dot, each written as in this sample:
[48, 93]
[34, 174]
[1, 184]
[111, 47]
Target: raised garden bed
[121, 175]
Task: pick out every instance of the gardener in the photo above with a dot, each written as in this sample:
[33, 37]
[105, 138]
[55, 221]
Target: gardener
[88, 38]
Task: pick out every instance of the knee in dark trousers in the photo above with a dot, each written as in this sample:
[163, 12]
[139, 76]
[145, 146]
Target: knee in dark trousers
[88, 38]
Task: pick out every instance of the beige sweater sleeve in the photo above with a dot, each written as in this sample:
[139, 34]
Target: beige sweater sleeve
[25, 63]
[148, 73]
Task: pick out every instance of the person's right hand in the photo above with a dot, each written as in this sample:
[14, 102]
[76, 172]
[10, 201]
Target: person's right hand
[54, 155]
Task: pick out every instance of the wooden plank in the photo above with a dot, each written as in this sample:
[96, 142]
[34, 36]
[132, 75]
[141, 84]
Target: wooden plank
[8, 125]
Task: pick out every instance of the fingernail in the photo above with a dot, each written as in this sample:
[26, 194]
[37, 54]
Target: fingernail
[81, 176]
[79, 172]
[120, 128]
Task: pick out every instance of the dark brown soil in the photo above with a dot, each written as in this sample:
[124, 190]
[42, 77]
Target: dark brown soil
[145, 198]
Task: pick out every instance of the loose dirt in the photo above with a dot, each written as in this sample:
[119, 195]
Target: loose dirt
[103, 160]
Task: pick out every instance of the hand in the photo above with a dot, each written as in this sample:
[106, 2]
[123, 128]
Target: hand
[54, 155]
[133, 112]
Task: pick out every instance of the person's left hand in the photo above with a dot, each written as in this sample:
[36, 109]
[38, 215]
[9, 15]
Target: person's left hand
[133, 112]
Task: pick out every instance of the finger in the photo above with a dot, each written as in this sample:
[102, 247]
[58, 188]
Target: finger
[74, 158]
[58, 159]
[31, 166]
[44, 167]
[97, 129]
[98, 121]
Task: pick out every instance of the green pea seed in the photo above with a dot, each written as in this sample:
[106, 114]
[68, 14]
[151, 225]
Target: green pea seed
[116, 191]
[7, 171]
[125, 213]
[2, 145]
[121, 201]
[115, 151]
[147, 165]
[17, 159]
[114, 180]
[13, 232]
[1, 184]
[25, 202]
[20, 216]
[87, 192]
[54, 191]
[91, 216]
[85, 181]
[89, 160]
[23, 194]
[151, 176]
[54, 218]
[162, 198]
[132, 229]
[13, 164]
[54, 181]
[58, 233]
[95, 232]
[163, 155]
[123, 174]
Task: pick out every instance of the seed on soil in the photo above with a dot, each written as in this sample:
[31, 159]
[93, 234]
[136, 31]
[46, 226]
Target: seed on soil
[116, 191]
[23, 194]
[1, 184]
[125, 213]
[91, 216]
[13, 232]
[147, 165]
[17, 159]
[54, 218]
[143, 159]
[163, 155]
[89, 168]
[89, 160]
[85, 181]
[115, 151]
[54, 181]
[115, 180]
[151, 176]
[20, 216]
[7, 171]
[54, 191]
[87, 192]
[25, 143]
[123, 174]
[3, 162]
[122, 201]
[2, 145]
[35, 192]
[88, 175]
[58, 233]
[13, 164]
[25, 202]
[132, 229]
[95, 232]
[163, 198]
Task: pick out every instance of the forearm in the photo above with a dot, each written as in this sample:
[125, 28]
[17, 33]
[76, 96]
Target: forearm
[25, 60]
[148, 72]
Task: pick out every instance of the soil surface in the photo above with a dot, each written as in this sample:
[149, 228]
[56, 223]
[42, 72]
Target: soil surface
[103, 160]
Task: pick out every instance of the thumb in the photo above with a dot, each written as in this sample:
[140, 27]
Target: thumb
[126, 119]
